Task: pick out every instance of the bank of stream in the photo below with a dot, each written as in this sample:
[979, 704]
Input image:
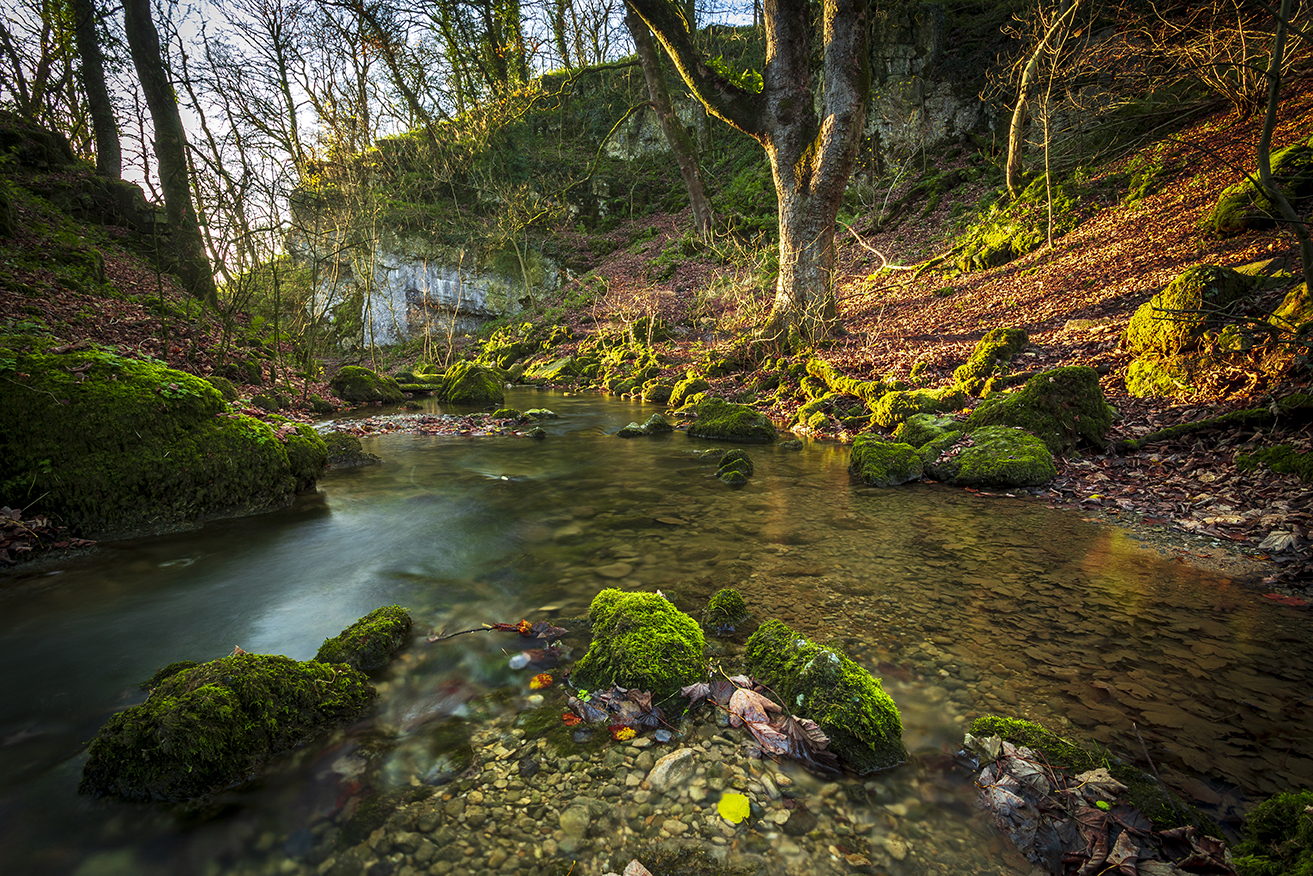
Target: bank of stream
[964, 604]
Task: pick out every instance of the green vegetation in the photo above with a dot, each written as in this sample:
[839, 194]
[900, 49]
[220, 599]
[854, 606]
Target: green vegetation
[1278, 838]
[640, 640]
[1283, 459]
[993, 456]
[469, 383]
[726, 421]
[989, 358]
[369, 643]
[847, 702]
[877, 462]
[1244, 206]
[362, 386]
[725, 609]
[1061, 407]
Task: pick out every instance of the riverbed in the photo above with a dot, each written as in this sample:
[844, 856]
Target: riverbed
[963, 603]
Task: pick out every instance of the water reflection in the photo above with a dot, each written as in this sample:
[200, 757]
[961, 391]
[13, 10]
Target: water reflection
[966, 604]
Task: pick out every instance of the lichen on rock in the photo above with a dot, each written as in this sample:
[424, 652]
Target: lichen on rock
[361, 386]
[725, 421]
[1061, 407]
[369, 643]
[880, 463]
[640, 640]
[824, 685]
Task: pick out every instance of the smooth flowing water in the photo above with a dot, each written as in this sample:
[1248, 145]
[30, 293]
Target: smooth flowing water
[964, 604]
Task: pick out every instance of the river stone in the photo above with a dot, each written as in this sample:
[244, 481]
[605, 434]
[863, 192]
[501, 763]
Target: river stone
[800, 823]
[672, 770]
[614, 570]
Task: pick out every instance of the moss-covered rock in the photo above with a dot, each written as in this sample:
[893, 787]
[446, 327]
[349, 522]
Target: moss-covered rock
[895, 407]
[735, 459]
[657, 425]
[369, 643]
[559, 368]
[1061, 407]
[847, 702]
[507, 414]
[1282, 459]
[684, 389]
[640, 640]
[994, 456]
[919, 430]
[657, 391]
[880, 463]
[361, 386]
[225, 387]
[469, 383]
[831, 380]
[990, 357]
[633, 430]
[110, 444]
[1295, 310]
[1278, 837]
[1143, 792]
[209, 727]
[1244, 206]
[725, 421]
[344, 451]
[1177, 317]
[725, 610]
[307, 455]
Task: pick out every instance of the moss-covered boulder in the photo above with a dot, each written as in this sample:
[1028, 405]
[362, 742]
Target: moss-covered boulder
[344, 451]
[725, 610]
[361, 386]
[1177, 317]
[1244, 206]
[469, 383]
[369, 643]
[1295, 310]
[684, 389]
[209, 727]
[725, 421]
[559, 368]
[307, 454]
[880, 463]
[734, 468]
[990, 357]
[893, 408]
[657, 425]
[225, 387]
[1061, 407]
[1278, 837]
[919, 430]
[820, 683]
[657, 391]
[110, 444]
[640, 640]
[993, 457]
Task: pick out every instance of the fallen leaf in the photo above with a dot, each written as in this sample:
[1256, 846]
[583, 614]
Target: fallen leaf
[734, 807]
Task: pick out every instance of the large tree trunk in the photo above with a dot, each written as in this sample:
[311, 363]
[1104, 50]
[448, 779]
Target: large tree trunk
[109, 156]
[680, 142]
[170, 151]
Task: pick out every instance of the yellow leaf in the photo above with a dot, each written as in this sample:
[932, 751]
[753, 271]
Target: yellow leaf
[733, 807]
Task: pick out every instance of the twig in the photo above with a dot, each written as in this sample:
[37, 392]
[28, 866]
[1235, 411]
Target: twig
[1170, 801]
[440, 636]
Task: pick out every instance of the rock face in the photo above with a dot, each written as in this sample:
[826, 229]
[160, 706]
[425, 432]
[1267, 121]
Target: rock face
[362, 386]
[993, 456]
[724, 421]
[369, 643]
[1060, 407]
[640, 640]
[847, 702]
[880, 463]
[208, 727]
[112, 444]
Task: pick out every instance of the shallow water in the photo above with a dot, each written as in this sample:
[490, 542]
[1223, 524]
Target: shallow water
[964, 604]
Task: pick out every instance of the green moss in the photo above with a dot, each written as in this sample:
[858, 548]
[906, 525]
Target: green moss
[1060, 407]
[919, 430]
[848, 703]
[640, 640]
[994, 456]
[895, 407]
[469, 383]
[1278, 837]
[880, 463]
[362, 386]
[506, 414]
[684, 389]
[1009, 229]
[369, 643]
[1176, 318]
[307, 456]
[1143, 791]
[725, 421]
[344, 451]
[725, 610]
[990, 357]
[209, 727]
[1282, 459]
[735, 460]
[225, 387]
[111, 444]
[1244, 206]
[657, 391]
[831, 380]
[1295, 310]
[173, 668]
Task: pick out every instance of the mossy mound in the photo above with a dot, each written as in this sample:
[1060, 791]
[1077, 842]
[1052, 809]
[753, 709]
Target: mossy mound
[209, 727]
[369, 643]
[307, 456]
[685, 389]
[110, 444]
[1295, 310]
[553, 369]
[1177, 317]
[724, 421]
[1143, 792]
[847, 702]
[640, 640]
[1011, 228]
[344, 451]
[224, 385]
[1061, 407]
[1282, 459]
[725, 610]
[990, 357]
[361, 386]
[1244, 206]
[919, 430]
[880, 463]
[735, 460]
[657, 425]
[1278, 837]
[994, 456]
[894, 407]
[657, 391]
[868, 391]
[469, 383]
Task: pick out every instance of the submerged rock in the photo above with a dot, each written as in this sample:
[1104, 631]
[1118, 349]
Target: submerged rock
[734, 468]
[369, 643]
[725, 610]
[362, 386]
[345, 451]
[847, 702]
[640, 640]
[725, 421]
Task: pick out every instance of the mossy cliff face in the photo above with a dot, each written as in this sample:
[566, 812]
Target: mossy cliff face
[209, 727]
[362, 386]
[112, 445]
[725, 421]
[847, 702]
[640, 640]
[880, 463]
[370, 642]
[1060, 407]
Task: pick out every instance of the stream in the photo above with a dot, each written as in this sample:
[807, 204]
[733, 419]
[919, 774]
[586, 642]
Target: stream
[964, 604]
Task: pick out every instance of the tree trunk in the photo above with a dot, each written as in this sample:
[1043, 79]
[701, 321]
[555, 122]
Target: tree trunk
[1270, 186]
[680, 142]
[1017, 129]
[170, 151]
[109, 156]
